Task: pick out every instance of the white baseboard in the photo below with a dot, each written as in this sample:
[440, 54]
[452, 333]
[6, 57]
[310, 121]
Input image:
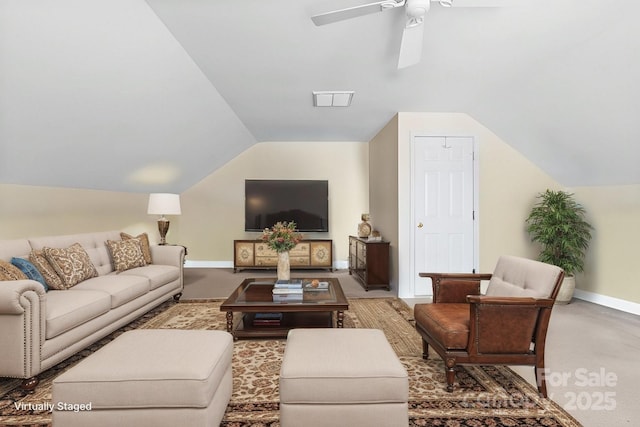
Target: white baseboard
[615, 303]
[208, 264]
[229, 264]
[341, 265]
[611, 302]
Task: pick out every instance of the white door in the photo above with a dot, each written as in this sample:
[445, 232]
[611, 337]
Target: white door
[443, 207]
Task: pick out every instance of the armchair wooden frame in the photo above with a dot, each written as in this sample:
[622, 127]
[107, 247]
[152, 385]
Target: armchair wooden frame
[501, 330]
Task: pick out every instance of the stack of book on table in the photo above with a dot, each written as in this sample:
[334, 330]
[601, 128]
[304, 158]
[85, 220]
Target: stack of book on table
[287, 291]
[267, 319]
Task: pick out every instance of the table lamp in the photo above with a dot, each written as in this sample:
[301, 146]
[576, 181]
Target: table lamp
[163, 204]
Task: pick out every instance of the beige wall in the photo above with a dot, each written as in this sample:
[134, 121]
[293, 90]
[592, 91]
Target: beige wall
[614, 212]
[27, 211]
[383, 190]
[213, 209]
[508, 183]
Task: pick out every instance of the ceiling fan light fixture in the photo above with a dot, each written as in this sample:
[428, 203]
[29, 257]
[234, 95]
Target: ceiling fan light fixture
[414, 22]
[418, 8]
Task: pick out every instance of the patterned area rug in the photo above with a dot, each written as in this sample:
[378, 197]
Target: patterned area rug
[486, 396]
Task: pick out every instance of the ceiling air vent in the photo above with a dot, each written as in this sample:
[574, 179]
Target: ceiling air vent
[332, 98]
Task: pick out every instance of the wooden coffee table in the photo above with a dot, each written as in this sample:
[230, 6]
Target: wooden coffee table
[313, 310]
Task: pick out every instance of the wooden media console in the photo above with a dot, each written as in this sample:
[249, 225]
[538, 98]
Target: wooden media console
[308, 254]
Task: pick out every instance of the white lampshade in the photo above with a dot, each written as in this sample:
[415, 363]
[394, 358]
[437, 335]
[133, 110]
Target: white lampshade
[164, 204]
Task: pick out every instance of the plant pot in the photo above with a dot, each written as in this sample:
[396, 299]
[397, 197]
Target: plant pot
[566, 290]
[284, 267]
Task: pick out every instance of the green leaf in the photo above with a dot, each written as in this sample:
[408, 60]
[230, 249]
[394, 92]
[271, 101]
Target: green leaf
[557, 223]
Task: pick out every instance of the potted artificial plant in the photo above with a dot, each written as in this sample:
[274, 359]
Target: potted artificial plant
[557, 223]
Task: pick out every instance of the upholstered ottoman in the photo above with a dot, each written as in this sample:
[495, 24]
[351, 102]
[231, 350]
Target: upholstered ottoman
[149, 377]
[342, 377]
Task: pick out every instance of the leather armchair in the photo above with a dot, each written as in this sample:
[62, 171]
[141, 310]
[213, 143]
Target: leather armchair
[506, 326]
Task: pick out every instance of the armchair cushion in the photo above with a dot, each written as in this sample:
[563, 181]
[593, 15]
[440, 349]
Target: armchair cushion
[447, 323]
[521, 277]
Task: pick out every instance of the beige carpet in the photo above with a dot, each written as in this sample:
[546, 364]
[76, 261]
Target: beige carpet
[487, 396]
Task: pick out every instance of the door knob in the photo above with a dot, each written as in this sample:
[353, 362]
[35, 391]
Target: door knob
[420, 225]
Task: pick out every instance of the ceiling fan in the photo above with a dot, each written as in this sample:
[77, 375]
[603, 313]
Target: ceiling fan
[413, 34]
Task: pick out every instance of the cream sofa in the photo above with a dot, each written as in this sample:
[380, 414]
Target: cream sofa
[39, 328]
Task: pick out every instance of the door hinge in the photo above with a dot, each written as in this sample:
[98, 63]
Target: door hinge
[473, 215]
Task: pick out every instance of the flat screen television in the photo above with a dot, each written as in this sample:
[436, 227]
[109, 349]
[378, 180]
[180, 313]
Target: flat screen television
[305, 202]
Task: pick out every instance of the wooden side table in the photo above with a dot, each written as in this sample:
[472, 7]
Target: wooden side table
[369, 262]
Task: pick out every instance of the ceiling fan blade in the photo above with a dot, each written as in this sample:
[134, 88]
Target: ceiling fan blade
[411, 45]
[479, 3]
[355, 11]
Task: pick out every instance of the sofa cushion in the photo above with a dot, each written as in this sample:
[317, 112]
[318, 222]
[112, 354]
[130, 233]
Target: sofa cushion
[126, 254]
[157, 274]
[72, 264]
[93, 244]
[120, 288]
[66, 309]
[52, 279]
[29, 270]
[15, 247]
[144, 244]
[9, 271]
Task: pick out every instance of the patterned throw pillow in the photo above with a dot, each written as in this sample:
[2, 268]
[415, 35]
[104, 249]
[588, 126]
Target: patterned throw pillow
[9, 271]
[29, 270]
[144, 244]
[126, 254]
[72, 264]
[52, 279]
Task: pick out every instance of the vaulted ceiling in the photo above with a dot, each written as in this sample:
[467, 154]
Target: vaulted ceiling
[134, 95]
